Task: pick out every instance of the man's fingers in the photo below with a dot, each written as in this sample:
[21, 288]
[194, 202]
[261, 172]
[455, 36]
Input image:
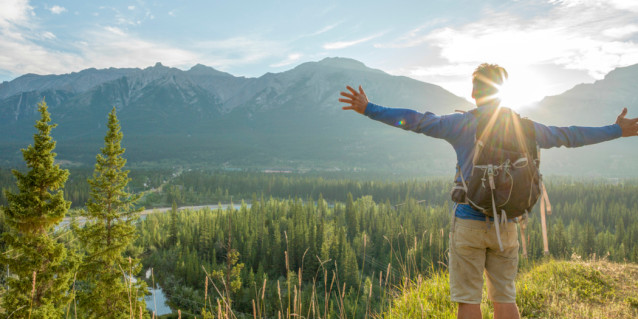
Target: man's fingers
[348, 108]
[623, 113]
[351, 90]
[346, 101]
[361, 90]
[347, 95]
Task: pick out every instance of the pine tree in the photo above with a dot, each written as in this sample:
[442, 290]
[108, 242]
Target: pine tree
[230, 276]
[172, 235]
[41, 268]
[351, 218]
[204, 238]
[350, 268]
[589, 239]
[558, 242]
[109, 230]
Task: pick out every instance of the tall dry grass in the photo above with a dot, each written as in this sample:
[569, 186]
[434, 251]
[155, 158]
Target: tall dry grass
[328, 299]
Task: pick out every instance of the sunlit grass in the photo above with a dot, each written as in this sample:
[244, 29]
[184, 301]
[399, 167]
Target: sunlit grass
[552, 289]
[424, 298]
[578, 289]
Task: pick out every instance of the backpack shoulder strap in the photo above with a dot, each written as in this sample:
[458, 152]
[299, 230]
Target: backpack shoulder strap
[525, 127]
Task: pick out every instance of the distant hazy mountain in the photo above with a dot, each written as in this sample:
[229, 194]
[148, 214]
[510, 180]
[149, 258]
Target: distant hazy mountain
[206, 117]
[292, 120]
[597, 103]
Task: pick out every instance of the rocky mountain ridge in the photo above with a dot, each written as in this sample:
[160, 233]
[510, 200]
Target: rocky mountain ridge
[291, 119]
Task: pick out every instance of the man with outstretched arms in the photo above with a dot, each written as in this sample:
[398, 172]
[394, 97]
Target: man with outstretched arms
[473, 249]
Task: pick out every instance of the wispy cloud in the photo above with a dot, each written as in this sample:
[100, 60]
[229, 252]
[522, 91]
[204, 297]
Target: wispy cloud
[14, 13]
[316, 33]
[579, 39]
[57, 9]
[621, 32]
[48, 35]
[447, 70]
[112, 46]
[631, 5]
[19, 34]
[624, 4]
[324, 29]
[115, 46]
[575, 34]
[104, 47]
[412, 38]
[292, 58]
[345, 44]
[237, 51]
[14, 42]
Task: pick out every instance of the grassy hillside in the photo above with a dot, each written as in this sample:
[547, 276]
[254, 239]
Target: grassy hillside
[553, 289]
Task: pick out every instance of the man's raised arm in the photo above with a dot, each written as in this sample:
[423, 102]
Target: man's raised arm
[576, 136]
[447, 127]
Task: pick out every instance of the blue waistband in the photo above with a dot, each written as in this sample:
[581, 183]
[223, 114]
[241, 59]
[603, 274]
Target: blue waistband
[465, 211]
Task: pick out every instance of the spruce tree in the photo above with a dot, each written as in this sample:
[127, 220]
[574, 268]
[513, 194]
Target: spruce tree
[172, 235]
[41, 269]
[107, 290]
[351, 218]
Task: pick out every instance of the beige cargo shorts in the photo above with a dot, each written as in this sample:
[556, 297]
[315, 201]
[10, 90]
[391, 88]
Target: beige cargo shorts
[474, 250]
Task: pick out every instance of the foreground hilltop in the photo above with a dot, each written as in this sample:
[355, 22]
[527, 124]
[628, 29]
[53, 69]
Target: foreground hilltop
[554, 289]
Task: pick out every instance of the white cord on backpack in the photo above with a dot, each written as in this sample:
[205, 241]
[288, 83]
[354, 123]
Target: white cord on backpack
[496, 222]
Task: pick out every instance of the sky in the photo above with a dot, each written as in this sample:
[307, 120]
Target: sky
[547, 46]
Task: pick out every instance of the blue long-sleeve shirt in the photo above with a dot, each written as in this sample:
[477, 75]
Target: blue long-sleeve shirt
[459, 129]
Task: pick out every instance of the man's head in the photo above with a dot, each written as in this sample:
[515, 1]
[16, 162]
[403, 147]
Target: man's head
[486, 80]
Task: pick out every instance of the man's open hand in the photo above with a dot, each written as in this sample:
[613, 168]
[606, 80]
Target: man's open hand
[358, 100]
[629, 126]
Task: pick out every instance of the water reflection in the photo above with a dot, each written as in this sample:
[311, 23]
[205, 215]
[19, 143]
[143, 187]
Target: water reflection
[156, 301]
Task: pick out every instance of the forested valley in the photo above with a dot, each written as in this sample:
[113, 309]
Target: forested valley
[401, 230]
[314, 234]
[314, 244]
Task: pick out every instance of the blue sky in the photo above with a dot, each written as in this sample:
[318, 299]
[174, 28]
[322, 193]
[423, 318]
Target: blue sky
[548, 46]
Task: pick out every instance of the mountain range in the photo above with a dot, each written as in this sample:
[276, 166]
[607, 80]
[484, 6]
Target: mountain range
[291, 120]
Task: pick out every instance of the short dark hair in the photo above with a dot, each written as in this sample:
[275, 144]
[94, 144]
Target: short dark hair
[486, 79]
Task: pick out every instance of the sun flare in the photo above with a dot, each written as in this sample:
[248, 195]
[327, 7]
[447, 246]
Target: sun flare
[522, 89]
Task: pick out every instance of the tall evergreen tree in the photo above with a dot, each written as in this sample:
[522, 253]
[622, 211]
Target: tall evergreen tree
[351, 218]
[172, 235]
[41, 268]
[559, 246]
[110, 228]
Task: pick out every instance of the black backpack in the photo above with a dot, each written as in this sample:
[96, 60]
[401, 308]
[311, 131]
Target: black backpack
[505, 179]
